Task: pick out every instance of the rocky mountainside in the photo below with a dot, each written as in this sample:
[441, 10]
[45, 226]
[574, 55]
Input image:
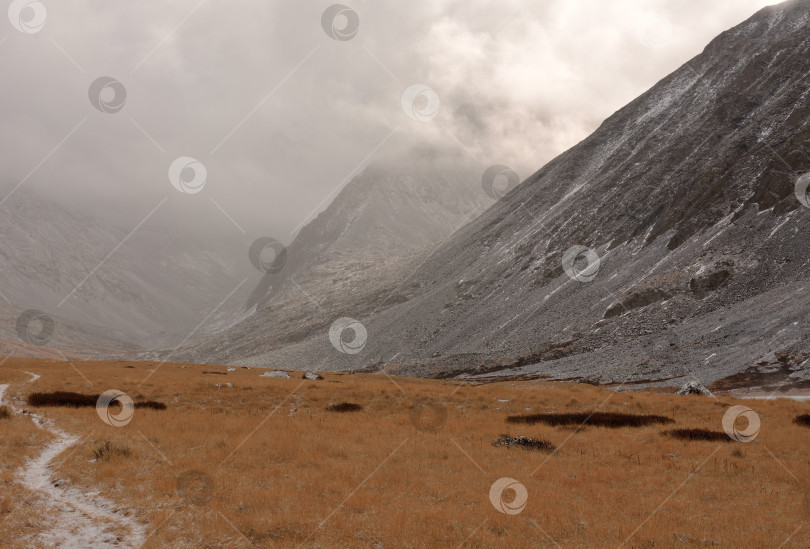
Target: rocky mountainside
[382, 214]
[152, 290]
[352, 259]
[691, 248]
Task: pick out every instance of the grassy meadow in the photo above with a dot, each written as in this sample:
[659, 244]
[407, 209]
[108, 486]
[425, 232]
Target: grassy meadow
[237, 460]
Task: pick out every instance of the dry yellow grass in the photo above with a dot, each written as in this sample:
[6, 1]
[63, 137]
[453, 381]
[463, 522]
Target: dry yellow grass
[263, 464]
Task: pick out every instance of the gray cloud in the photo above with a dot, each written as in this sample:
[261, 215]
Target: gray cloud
[281, 114]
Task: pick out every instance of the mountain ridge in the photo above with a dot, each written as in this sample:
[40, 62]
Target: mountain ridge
[694, 176]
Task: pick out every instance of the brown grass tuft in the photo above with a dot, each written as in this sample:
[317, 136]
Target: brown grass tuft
[109, 450]
[5, 412]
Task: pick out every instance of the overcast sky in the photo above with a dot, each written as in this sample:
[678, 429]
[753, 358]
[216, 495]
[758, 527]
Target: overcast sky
[280, 114]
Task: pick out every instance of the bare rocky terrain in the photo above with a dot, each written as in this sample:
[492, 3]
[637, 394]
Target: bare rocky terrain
[687, 197]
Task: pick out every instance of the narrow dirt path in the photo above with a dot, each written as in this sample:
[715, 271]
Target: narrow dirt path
[78, 520]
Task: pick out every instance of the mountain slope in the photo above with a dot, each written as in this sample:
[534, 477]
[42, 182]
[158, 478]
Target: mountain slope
[686, 195]
[353, 258]
[106, 288]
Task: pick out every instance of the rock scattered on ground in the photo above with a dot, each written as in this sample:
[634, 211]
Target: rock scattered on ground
[311, 375]
[524, 442]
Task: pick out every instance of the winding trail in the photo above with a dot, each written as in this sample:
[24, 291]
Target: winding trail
[77, 520]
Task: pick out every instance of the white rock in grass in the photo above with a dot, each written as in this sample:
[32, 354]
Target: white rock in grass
[278, 373]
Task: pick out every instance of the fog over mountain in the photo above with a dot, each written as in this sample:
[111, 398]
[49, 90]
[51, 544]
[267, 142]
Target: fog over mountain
[137, 176]
[281, 115]
[667, 245]
[121, 290]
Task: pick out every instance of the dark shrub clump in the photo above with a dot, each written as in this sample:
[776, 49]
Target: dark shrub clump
[344, 407]
[803, 420]
[62, 398]
[151, 404]
[78, 400]
[5, 412]
[698, 434]
[597, 419]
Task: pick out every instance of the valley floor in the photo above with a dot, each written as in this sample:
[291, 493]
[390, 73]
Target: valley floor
[238, 460]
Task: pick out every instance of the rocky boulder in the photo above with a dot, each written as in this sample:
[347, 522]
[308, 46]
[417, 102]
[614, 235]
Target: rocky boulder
[657, 288]
[693, 388]
[712, 279]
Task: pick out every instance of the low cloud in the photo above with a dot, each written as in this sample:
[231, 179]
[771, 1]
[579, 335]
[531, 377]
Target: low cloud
[282, 115]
